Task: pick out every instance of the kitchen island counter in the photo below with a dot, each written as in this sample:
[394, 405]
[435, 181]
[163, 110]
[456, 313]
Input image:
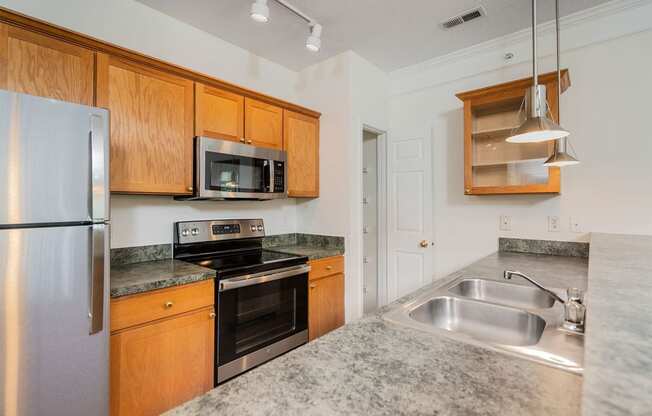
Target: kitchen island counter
[373, 367]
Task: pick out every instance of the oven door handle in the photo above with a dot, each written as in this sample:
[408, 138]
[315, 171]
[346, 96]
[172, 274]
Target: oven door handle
[256, 279]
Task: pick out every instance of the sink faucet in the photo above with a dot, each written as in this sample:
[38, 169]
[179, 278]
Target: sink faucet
[574, 309]
[509, 273]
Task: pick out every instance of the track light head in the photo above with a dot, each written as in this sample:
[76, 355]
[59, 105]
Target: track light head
[313, 43]
[260, 11]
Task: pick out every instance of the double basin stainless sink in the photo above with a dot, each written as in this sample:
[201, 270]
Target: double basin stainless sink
[507, 317]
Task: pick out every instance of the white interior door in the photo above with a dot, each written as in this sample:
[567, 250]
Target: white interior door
[410, 250]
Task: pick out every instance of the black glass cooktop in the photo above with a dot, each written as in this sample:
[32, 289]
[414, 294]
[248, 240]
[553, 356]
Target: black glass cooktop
[246, 261]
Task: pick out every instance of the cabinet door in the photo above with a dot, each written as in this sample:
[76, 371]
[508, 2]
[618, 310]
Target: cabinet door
[301, 142]
[325, 305]
[40, 65]
[263, 124]
[162, 364]
[218, 113]
[151, 127]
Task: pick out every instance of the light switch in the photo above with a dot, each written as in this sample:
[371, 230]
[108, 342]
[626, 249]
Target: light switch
[505, 223]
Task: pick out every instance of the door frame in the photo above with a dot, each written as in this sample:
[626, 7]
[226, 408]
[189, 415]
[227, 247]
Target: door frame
[358, 216]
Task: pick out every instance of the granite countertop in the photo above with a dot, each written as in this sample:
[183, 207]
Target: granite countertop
[373, 367]
[128, 279]
[313, 253]
[618, 345]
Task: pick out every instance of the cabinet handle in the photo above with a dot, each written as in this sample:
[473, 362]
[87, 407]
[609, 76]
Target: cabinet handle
[249, 141]
[211, 315]
[329, 267]
[312, 286]
[243, 140]
[168, 305]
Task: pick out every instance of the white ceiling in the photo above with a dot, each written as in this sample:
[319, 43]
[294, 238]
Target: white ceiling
[390, 34]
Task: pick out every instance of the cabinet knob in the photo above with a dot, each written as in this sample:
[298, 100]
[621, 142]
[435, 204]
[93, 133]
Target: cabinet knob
[249, 141]
[243, 140]
[190, 188]
[312, 286]
[424, 243]
[168, 305]
[329, 267]
[211, 315]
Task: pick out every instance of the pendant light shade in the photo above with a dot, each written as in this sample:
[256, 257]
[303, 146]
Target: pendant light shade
[537, 127]
[560, 156]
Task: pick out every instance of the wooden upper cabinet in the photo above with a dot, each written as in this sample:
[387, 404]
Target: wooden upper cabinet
[39, 65]
[218, 113]
[263, 124]
[301, 142]
[151, 127]
[492, 165]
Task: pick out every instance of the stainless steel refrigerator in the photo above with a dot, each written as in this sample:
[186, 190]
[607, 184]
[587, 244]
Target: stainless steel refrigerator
[54, 269]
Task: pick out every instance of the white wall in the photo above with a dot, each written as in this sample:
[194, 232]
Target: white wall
[606, 109]
[141, 220]
[350, 92]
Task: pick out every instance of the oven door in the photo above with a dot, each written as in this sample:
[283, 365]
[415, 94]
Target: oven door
[266, 311]
[230, 170]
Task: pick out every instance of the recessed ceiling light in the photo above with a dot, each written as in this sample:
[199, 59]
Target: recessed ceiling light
[313, 43]
[260, 11]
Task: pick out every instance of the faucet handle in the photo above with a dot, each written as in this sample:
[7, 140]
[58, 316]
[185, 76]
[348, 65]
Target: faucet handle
[575, 294]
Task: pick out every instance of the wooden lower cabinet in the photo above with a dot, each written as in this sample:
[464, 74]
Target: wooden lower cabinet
[325, 299]
[158, 365]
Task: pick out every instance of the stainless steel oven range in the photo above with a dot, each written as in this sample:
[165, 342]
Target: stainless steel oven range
[261, 295]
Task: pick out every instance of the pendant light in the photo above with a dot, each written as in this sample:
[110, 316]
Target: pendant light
[560, 156]
[537, 127]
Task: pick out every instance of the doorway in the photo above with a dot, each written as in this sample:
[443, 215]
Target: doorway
[373, 219]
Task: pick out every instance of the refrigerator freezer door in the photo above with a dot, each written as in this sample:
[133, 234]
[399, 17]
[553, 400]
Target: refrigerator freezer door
[49, 362]
[53, 161]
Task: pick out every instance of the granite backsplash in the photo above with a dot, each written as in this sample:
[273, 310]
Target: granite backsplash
[130, 255]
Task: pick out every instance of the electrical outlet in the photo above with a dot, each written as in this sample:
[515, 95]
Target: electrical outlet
[505, 223]
[575, 225]
[553, 224]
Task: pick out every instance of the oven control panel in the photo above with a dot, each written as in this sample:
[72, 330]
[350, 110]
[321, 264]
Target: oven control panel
[188, 232]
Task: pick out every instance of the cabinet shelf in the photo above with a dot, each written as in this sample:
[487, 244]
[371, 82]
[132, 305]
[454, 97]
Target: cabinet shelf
[509, 162]
[490, 134]
[491, 164]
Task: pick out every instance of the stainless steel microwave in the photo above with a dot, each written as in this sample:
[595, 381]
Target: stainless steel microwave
[229, 170]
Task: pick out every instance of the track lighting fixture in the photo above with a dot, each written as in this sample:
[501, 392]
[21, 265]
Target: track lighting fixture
[313, 43]
[260, 13]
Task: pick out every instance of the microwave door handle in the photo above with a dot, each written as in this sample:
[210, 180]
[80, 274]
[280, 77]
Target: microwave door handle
[268, 165]
[98, 163]
[256, 279]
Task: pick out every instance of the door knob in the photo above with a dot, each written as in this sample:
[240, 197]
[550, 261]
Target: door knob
[424, 243]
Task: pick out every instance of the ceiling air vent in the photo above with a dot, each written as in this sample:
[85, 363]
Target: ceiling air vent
[464, 17]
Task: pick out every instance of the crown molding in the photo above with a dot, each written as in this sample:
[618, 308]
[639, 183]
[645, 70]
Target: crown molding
[570, 21]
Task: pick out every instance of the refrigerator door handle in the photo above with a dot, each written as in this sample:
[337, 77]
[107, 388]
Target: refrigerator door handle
[96, 303]
[98, 180]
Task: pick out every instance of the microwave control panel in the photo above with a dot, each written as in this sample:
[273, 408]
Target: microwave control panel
[279, 176]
